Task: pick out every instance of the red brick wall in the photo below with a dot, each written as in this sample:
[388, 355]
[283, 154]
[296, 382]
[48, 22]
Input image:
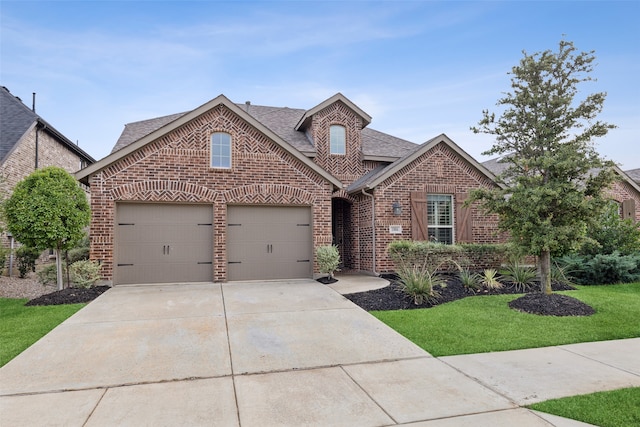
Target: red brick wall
[176, 168]
[438, 171]
[621, 191]
[348, 167]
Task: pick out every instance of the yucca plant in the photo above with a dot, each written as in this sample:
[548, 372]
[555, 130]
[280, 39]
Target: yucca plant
[561, 274]
[490, 279]
[418, 282]
[522, 277]
[469, 279]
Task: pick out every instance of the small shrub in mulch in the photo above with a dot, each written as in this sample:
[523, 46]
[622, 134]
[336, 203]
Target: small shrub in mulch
[69, 296]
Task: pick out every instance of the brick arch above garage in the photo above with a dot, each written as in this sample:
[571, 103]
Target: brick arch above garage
[163, 191]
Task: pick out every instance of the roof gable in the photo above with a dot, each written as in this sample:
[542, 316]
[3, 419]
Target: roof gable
[377, 176]
[182, 119]
[303, 123]
[16, 119]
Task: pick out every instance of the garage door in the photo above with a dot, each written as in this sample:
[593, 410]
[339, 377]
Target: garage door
[163, 243]
[269, 242]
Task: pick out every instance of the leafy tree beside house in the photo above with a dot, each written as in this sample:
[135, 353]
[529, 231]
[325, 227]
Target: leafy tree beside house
[554, 177]
[48, 210]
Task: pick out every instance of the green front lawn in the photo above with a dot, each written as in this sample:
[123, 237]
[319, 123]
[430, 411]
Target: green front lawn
[618, 408]
[486, 323]
[21, 326]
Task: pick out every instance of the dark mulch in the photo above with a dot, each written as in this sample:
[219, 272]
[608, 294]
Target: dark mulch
[69, 296]
[392, 298]
[551, 305]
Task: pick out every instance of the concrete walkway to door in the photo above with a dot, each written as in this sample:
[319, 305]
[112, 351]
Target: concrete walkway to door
[286, 353]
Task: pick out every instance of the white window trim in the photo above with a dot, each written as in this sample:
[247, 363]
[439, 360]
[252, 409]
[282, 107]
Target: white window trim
[230, 151]
[344, 141]
[453, 216]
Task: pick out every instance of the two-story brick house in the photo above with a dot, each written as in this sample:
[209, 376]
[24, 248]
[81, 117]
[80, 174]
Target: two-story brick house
[238, 191]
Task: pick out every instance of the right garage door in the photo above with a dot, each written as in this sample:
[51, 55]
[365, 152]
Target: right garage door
[269, 242]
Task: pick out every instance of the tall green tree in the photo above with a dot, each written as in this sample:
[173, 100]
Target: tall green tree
[47, 210]
[553, 177]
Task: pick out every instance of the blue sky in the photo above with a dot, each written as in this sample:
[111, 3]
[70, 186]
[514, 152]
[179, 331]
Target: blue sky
[419, 68]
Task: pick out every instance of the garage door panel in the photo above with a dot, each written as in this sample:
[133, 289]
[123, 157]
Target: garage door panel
[161, 243]
[268, 242]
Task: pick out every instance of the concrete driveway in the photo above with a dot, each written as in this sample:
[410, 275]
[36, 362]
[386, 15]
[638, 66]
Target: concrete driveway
[242, 354]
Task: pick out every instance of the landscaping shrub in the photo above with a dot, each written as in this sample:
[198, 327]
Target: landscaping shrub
[522, 277]
[490, 279]
[447, 257]
[84, 273]
[26, 259]
[80, 252]
[418, 282]
[612, 234]
[4, 253]
[47, 274]
[470, 279]
[328, 259]
[602, 269]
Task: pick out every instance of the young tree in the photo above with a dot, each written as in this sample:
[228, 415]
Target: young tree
[48, 210]
[553, 181]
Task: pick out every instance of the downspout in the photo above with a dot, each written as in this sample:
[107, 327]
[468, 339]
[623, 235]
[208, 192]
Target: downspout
[33, 108]
[373, 228]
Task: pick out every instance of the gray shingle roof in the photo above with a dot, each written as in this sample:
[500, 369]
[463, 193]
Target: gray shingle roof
[495, 166]
[634, 174]
[282, 121]
[15, 119]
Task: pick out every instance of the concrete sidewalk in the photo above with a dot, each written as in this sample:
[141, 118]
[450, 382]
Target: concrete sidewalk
[277, 354]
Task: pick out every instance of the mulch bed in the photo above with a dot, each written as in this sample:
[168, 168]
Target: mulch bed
[534, 302]
[392, 298]
[70, 296]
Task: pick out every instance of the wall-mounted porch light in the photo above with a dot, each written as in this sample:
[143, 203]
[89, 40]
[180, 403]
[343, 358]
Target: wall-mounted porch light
[397, 208]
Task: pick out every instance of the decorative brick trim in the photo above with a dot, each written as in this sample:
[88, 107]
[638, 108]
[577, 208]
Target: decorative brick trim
[342, 194]
[268, 194]
[163, 191]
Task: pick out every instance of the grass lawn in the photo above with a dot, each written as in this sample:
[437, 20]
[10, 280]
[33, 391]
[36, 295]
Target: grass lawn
[618, 408]
[21, 326]
[486, 323]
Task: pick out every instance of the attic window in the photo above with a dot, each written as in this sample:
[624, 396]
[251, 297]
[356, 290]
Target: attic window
[221, 150]
[337, 138]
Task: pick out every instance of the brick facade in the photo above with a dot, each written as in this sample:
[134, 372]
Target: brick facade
[21, 161]
[621, 191]
[451, 175]
[176, 168]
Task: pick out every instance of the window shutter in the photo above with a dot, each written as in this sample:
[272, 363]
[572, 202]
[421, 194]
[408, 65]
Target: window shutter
[463, 220]
[419, 216]
[629, 209]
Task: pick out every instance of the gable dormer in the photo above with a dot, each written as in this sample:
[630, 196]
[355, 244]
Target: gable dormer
[334, 127]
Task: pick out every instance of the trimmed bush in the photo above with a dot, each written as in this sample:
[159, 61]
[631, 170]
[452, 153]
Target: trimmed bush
[474, 256]
[84, 273]
[328, 259]
[47, 274]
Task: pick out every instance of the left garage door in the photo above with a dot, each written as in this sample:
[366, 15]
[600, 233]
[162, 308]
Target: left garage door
[163, 243]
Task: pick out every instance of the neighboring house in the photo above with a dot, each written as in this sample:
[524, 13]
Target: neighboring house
[239, 192]
[27, 142]
[625, 190]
